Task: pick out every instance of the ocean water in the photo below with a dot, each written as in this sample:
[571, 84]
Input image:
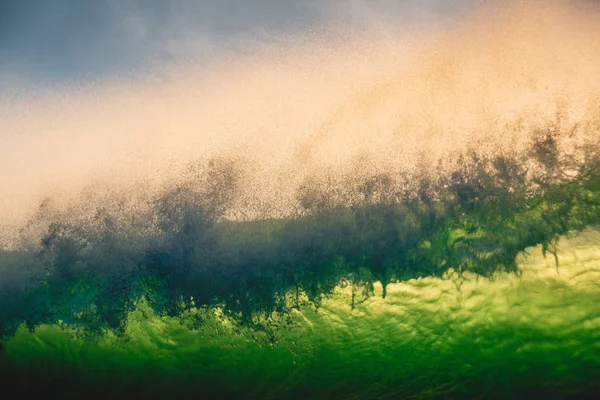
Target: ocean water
[353, 213]
[533, 335]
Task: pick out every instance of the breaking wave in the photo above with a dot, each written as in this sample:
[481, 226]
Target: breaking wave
[352, 161]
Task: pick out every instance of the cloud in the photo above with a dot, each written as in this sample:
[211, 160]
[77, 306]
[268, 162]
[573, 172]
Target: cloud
[43, 41]
[404, 11]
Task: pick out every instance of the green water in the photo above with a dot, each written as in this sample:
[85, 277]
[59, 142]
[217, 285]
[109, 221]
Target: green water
[533, 334]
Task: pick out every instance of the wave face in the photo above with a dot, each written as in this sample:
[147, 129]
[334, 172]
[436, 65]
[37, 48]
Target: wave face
[456, 336]
[352, 206]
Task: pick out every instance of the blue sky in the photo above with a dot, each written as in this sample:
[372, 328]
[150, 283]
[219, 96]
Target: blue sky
[46, 42]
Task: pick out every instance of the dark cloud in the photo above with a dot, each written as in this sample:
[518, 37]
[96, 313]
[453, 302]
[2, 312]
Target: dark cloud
[49, 39]
[53, 41]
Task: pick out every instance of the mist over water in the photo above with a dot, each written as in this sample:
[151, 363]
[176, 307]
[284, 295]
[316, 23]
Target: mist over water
[326, 170]
[383, 99]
